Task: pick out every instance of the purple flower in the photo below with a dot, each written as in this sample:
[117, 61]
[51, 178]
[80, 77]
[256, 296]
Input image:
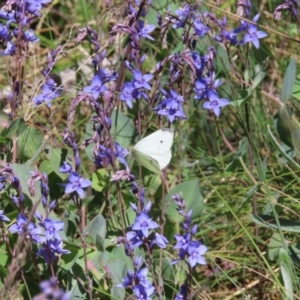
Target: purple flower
[10, 49]
[65, 168]
[34, 6]
[50, 249]
[201, 88]
[145, 30]
[143, 293]
[121, 153]
[103, 157]
[160, 240]
[182, 295]
[129, 93]
[200, 28]
[19, 225]
[183, 15]
[76, 184]
[35, 234]
[51, 228]
[3, 217]
[196, 251]
[128, 280]
[199, 62]
[51, 290]
[253, 34]
[4, 33]
[171, 109]
[144, 223]
[142, 277]
[136, 238]
[30, 36]
[141, 81]
[49, 93]
[182, 241]
[96, 88]
[215, 103]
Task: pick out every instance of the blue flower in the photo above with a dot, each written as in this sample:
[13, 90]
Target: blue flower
[171, 109]
[196, 251]
[96, 88]
[35, 234]
[76, 184]
[3, 217]
[4, 33]
[10, 49]
[215, 103]
[182, 295]
[128, 280]
[19, 225]
[51, 290]
[183, 15]
[160, 240]
[143, 293]
[253, 34]
[30, 36]
[51, 228]
[145, 30]
[200, 28]
[129, 93]
[135, 238]
[65, 168]
[144, 223]
[121, 154]
[141, 81]
[50, 249]
[49, 93]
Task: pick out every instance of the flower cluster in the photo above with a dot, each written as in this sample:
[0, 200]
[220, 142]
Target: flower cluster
[142, 229]
[22, 16]
[51, 290]
[137, 87]
[137, 281]
[188, 248]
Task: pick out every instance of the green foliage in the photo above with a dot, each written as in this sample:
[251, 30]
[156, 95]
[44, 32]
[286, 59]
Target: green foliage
[237, 172]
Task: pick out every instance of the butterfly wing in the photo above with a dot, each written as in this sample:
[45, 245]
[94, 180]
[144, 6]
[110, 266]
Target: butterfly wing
[154, 151]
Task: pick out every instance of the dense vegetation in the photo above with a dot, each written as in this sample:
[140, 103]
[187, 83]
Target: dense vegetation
[149, 149]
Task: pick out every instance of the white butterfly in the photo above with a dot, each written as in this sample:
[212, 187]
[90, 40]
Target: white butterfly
[154, 151]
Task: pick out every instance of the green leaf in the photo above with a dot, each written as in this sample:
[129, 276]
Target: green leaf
[123, 128]
[98, 180]
[270, 222]
[23, 173]
[46, 167]
[284, 125]
[288, 81]
[4, 140]
[97, 230]
[4, 120]
[57, 156]
[286, 269]
[274, 245]
[190, 191]
[29, 142]
[16, 128]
